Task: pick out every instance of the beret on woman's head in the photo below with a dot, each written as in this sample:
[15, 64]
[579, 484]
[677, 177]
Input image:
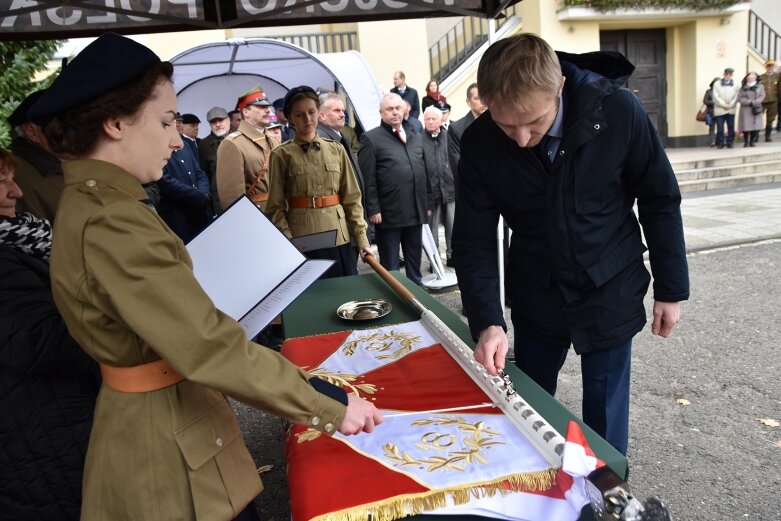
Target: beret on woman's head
[107, 63]
[298, 92]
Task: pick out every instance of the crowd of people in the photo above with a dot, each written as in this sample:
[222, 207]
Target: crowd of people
[107, 335]
[754, 100]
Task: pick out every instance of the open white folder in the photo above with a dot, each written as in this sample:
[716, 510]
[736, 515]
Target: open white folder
[251, 271]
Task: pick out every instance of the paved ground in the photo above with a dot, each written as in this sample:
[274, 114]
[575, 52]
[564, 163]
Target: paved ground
[698, 399]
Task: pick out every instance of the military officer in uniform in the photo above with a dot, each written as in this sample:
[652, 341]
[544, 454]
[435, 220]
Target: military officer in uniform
[165, 443]
[770, 80]
[314, 188]
[242, 157]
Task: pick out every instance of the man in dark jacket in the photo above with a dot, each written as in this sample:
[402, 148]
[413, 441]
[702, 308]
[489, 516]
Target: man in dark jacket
[562, 154]
[185, 194]
[330, 124]
[219, 122]
[440, 178]
[407, 93]
[38, 170]
[456, 129]
[396, 187]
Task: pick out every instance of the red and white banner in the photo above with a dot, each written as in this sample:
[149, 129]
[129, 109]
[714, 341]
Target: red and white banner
[471, 461]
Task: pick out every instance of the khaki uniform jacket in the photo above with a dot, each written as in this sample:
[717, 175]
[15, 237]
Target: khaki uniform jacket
[770, 80]
[327, 171]
[39, 174]
[240, 158]
[124, 285]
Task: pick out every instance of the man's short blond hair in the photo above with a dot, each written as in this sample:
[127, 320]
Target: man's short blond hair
[515, 67]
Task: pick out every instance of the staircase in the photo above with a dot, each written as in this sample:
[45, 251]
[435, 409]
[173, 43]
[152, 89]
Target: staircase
[705, 169]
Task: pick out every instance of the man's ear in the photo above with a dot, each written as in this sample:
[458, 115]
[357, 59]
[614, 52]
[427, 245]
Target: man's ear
[561, 86]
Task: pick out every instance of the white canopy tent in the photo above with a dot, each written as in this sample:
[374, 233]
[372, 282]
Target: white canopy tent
[217, 73]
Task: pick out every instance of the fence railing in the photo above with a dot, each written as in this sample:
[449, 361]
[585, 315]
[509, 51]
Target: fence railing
[762, 38]
[463, 39]
[322, 42]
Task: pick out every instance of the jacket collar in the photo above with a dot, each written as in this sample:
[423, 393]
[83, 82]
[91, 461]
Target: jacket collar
[44, 162]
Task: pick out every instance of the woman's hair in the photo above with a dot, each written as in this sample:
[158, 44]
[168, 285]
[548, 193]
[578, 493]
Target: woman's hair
[6, 164]
[76, 131]
[514, 68]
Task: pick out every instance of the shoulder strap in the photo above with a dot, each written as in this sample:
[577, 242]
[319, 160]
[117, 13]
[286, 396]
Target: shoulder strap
[263, 169]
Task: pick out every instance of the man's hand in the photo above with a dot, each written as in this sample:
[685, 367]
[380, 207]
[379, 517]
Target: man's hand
[376, 218]
[362, 416]
[363, 252]
[491, 349]
[666, 316]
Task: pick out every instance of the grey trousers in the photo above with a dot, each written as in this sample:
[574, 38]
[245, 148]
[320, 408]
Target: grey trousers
[443, 213]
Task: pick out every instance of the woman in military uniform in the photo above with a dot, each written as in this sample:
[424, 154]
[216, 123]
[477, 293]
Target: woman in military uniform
[165, 444]
[313, 188]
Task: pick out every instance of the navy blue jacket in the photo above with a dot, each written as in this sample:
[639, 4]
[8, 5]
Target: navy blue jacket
[185, 200]
[576, 271]
[410, 95]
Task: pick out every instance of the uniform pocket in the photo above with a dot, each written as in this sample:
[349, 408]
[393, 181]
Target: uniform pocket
[221, 473]
[333, 173]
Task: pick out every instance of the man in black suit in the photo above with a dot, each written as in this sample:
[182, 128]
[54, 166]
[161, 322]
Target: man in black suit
[397, 189]
[407, 93]
[287, 129]
[330, 125]
[456, 128]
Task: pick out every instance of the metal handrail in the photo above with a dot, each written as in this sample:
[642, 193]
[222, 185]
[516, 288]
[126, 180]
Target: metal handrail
[762, 38]
[458, 44]
[322, 42]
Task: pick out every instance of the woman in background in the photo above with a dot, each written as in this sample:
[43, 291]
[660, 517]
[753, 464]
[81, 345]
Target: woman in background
[48, 384]
[751, 118]
[710, 119]
[313, 188]
[433, 96]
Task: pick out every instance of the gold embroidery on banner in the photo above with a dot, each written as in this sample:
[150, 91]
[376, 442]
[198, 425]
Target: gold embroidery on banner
[383, 342]
[308, 435]
[344, 380]
[477, 437]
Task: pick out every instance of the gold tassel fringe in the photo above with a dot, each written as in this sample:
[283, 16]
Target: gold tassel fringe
[414, 504]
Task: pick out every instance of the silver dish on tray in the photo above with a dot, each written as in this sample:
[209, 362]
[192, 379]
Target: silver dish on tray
[364, 309]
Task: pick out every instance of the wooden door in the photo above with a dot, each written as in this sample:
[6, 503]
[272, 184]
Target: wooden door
[646, 50]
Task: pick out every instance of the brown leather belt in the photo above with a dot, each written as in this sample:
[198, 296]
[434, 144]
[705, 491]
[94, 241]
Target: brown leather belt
[142, 378]
[317, 201]
[260, 197]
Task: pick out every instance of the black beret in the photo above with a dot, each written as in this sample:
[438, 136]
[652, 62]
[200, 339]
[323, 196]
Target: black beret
[190, 119]
[19, 115]
[295, 91]
[109, 62]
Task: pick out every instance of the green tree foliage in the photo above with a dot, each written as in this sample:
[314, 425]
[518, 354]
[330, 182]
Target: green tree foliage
[20, 62]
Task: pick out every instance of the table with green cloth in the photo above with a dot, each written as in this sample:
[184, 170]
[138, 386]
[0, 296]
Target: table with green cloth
[314, 313]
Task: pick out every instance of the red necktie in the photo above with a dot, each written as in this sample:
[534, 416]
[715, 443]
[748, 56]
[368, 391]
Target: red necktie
[400, 136]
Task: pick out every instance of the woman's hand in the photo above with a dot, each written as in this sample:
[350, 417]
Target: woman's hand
[362, 416]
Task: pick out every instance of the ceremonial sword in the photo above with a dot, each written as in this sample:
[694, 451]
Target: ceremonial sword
[610, 495]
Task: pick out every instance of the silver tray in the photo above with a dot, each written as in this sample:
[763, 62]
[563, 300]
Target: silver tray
[364, 309]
